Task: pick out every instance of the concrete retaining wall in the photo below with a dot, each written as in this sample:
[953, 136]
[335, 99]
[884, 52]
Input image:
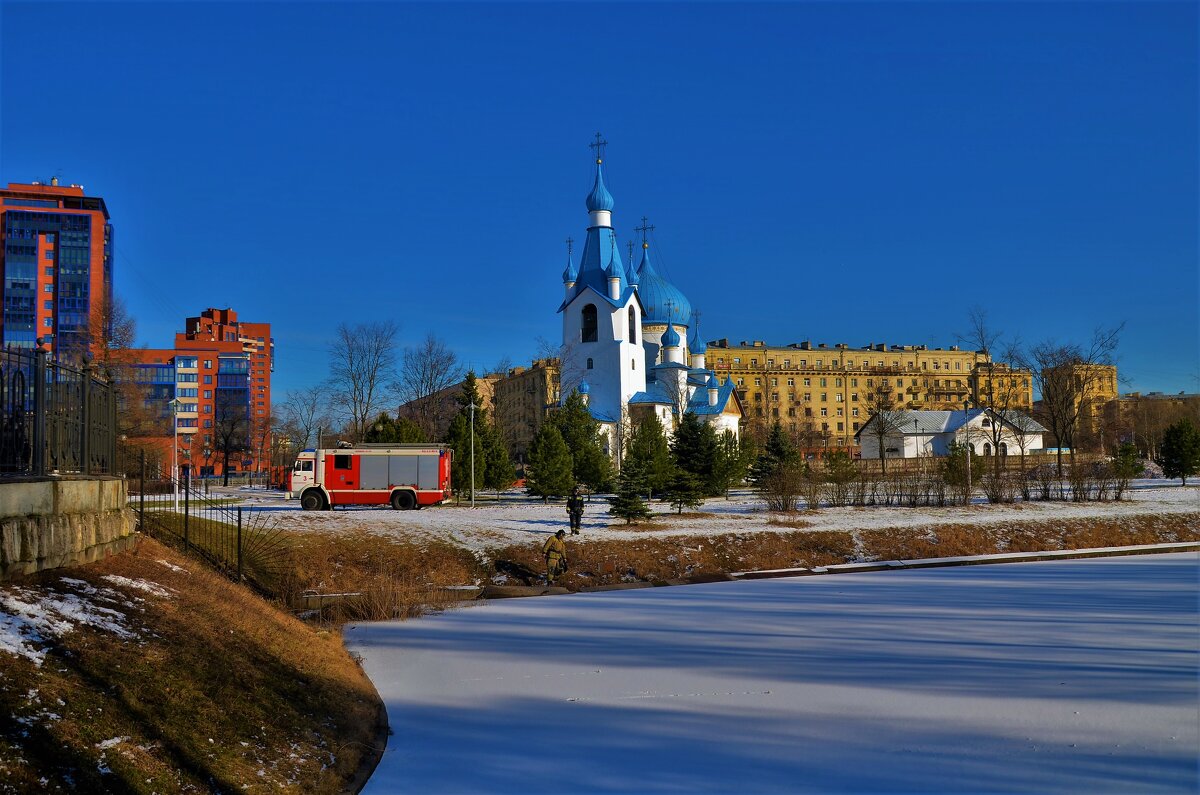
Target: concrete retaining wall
[45, 524]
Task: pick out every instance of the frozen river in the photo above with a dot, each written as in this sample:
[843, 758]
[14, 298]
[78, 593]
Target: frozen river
[1052, 676]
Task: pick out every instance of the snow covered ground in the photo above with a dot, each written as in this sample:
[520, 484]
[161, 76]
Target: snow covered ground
[519, 520]
[1036, 677]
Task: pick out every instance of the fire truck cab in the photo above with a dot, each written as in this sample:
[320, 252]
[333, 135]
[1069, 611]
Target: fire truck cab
[406, 476]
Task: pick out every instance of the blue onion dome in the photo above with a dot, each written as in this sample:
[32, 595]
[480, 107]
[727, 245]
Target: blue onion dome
[697, 344]
[599, 198]
[570, 273]
[670, 338]
[662, 300]
[584, 388]
[632, 276]
[712, 382]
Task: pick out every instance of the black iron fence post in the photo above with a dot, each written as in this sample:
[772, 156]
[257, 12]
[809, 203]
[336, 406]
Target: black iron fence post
[239, 544]
[39, 411]
[85, 418]
[186, 511]
[142, 496]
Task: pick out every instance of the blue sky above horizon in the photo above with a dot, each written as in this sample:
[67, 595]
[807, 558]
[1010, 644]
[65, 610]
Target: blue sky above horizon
[835, 172]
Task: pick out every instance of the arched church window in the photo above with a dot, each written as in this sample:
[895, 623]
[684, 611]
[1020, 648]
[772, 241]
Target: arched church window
[1003, 448]
[589, 364]
[632, 326]
[987, 448]
[633, 364]
[589, 324]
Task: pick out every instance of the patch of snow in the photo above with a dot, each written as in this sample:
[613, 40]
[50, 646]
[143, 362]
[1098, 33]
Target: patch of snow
[104, 745]
[30, 619]
[172, 566]
[152, 588]
[517, 520]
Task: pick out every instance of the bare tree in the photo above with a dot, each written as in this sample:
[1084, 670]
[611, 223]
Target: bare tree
[304, 412]
[427, 369]
[362, 360]
[886, 412]
[997, 386]
[231, 428]
[1067, 377]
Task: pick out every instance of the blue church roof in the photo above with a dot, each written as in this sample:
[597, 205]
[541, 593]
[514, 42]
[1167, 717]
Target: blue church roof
[599, 198]
[657, 294]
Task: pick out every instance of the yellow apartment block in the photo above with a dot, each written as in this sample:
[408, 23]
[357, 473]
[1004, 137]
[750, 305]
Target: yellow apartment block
[819, 391]
[522, 399]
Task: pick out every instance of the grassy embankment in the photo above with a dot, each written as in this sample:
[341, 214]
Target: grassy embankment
[216, 690]
[401, 578]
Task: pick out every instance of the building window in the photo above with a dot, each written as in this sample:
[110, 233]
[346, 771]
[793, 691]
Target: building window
[840, 426]
[48, 322]
[824, 382]
[774, 382]
[633, 364]
[758, 382]
[808, 382]
[49, 304]
[208, 364]
[824, 412]
[49, 288]
[633, 326]
[588, 332]
[208, 379]
[589, 363]
[791, 382]
[49, 271]
[854, 413]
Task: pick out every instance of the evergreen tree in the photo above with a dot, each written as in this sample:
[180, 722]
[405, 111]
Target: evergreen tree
[499, 472]
[778, 453]
[694, 450]
[731, 462]
[648, 445]
[589, 463]
[685, 491]
[548, 465]
[1179, 453]
[395, 431]
[458, 439]
[1126, 466]
[627, 502]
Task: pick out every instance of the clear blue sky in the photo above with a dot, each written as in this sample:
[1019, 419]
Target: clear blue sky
[840, 172]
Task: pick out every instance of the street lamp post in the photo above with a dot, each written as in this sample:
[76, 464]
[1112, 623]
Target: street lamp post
[175, 404]
[472, 408]
[967, 428]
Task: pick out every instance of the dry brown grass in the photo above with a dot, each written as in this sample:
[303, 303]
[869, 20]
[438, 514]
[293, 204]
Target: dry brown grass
[220, 686]
[396, 579]
[661, 559]
[782, 520]
[608, 562]
[941, 541]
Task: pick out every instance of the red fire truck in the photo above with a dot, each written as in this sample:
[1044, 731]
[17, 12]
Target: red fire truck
[407, 476]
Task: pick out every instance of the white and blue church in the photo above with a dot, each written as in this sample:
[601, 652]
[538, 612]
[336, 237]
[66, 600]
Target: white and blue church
[631, 344]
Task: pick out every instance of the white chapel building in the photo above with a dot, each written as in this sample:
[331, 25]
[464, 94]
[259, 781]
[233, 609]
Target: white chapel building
[630, 343]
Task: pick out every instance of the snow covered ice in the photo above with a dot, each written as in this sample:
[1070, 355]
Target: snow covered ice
[1051, 676]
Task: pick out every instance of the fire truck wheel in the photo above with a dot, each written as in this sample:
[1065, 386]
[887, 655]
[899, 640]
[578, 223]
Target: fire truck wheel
[403, 501]
[312, 501]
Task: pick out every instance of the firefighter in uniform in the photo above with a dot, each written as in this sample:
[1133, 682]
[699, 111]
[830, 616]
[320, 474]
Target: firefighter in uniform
[555, 551]
[575, 510]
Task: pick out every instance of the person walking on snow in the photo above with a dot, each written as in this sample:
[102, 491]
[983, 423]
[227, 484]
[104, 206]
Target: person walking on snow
[575, 510]
[555, 551]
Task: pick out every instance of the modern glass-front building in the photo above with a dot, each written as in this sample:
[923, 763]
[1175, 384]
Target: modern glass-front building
[57, 262]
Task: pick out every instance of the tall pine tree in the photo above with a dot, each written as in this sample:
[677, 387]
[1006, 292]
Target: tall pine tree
[1179, 453]
[548, 464]
[731, 462]
[627, 502]
[694, 450]
[778, 453]
[589, 463]
[649, 447]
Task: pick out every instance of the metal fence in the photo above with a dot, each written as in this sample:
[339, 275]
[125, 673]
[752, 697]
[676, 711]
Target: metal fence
[54, 419]
[245, 545]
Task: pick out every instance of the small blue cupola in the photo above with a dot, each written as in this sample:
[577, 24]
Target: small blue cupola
[632, 275]
[696, 345]
[570, 273]
[670, 338]
[584, 388]
[599, 198]
[712, 382]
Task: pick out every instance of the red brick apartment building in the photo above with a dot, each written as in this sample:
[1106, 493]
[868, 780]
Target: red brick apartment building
[220, 373]
[56, 257]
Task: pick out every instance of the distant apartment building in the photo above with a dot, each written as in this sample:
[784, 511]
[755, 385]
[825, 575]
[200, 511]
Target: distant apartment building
[523, 397]
[57, 261]
[820, 391]
[219, 372]
[434, 413]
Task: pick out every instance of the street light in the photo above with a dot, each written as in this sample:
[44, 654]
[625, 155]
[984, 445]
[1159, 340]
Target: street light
[967, 428]
[472, 408]
[175, 403]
